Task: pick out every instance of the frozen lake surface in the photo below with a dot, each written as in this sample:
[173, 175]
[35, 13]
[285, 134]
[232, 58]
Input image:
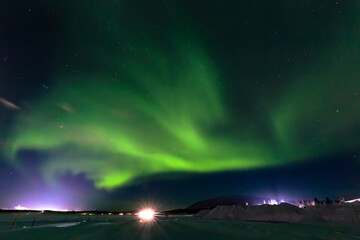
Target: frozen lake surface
[58, 226]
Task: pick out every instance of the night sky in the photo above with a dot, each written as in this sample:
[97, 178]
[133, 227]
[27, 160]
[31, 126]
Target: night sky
[113, 104]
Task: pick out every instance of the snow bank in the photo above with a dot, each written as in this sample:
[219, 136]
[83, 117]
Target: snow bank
[346, 213]
[202, 213]
[227, 212]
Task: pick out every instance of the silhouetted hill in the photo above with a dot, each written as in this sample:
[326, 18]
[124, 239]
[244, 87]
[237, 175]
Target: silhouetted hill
[225, 200]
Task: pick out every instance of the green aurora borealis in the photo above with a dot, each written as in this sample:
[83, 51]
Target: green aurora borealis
[134, 94]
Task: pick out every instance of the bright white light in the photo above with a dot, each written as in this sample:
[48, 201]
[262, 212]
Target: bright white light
[146, 214]
[354, 200]
[271, 202]
[19, 207]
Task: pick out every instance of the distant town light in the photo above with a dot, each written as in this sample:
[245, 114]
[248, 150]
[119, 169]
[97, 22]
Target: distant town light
[19, 207]
[273, 202]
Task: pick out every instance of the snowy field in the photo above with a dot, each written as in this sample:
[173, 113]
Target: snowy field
[74, 226]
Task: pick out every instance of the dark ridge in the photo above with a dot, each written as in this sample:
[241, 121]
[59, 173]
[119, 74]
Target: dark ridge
[226, 200]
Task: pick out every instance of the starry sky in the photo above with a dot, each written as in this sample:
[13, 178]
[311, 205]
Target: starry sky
[109, 104]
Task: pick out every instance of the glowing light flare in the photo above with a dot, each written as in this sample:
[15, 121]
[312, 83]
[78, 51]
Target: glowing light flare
[146, 215]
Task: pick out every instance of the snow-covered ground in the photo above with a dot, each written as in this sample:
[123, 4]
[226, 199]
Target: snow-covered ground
[58, 226]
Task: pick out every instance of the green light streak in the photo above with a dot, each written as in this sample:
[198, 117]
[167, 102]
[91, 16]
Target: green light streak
[135, 101]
